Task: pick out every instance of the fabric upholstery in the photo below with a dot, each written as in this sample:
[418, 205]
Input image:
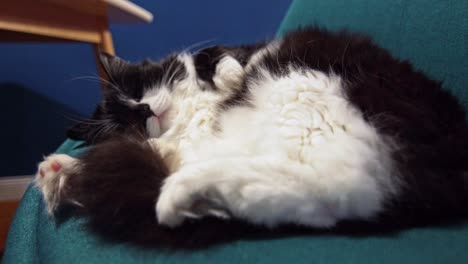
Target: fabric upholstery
[432, 34]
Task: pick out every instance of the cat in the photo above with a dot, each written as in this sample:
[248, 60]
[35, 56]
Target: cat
[314, 129]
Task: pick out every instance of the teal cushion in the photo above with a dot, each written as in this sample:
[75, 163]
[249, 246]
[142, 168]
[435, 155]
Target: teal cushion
[430, 33]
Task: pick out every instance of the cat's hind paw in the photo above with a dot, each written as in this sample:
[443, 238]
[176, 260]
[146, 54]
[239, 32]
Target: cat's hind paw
[50, 178]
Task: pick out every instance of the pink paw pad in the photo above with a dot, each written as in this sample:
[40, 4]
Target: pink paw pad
[56, 166]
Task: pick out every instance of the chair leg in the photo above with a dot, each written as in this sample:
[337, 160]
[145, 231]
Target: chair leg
[106, 45]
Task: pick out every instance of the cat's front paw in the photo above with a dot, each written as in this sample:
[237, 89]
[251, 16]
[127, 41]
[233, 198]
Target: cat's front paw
[50, 178]
[187, 194]
[172, 202]
[229, 74]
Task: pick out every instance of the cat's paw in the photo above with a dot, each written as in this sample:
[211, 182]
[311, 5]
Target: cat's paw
[51, 176]
[184, 195]
[172, 202]
[229, 74]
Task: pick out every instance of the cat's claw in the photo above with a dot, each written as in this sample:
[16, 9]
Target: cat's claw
[50, 178]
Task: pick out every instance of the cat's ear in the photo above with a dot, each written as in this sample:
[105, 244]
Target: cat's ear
[113, 66]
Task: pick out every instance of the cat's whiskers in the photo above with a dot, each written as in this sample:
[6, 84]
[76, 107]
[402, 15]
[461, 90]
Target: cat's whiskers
[164, 79]
[174, 73]
[85, 120]
[167, 80]
[97, 79]
[102, 130]
[197, 44]
[108, 127]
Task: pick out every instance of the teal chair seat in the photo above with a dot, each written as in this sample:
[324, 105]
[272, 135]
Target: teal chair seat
[430, 33]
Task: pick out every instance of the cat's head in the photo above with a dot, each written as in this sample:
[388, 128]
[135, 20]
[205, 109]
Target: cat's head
[136, 99]
[139, 98]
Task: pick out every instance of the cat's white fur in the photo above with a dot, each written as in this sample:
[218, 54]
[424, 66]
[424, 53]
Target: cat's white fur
[300, 153]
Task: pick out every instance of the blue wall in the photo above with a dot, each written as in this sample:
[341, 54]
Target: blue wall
[42, 85]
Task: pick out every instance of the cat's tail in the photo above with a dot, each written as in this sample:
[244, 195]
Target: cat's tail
[117, 185]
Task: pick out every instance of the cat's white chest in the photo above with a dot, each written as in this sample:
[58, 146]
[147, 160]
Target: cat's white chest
[193, 123]
[294, 115]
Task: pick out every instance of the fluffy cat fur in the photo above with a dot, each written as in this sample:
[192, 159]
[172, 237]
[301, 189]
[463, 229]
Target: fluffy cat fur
[316, 129]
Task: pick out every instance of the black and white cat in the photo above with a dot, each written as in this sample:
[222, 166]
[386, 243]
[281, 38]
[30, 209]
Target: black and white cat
[313, 129]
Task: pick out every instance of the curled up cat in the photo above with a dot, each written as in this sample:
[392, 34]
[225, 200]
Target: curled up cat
[315, 129]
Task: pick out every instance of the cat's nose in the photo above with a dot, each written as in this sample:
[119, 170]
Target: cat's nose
[145, 110]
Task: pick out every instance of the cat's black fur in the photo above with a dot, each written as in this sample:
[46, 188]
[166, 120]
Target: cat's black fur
[119, 180]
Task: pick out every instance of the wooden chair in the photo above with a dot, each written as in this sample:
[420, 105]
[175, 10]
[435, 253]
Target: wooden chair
[62, 20]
